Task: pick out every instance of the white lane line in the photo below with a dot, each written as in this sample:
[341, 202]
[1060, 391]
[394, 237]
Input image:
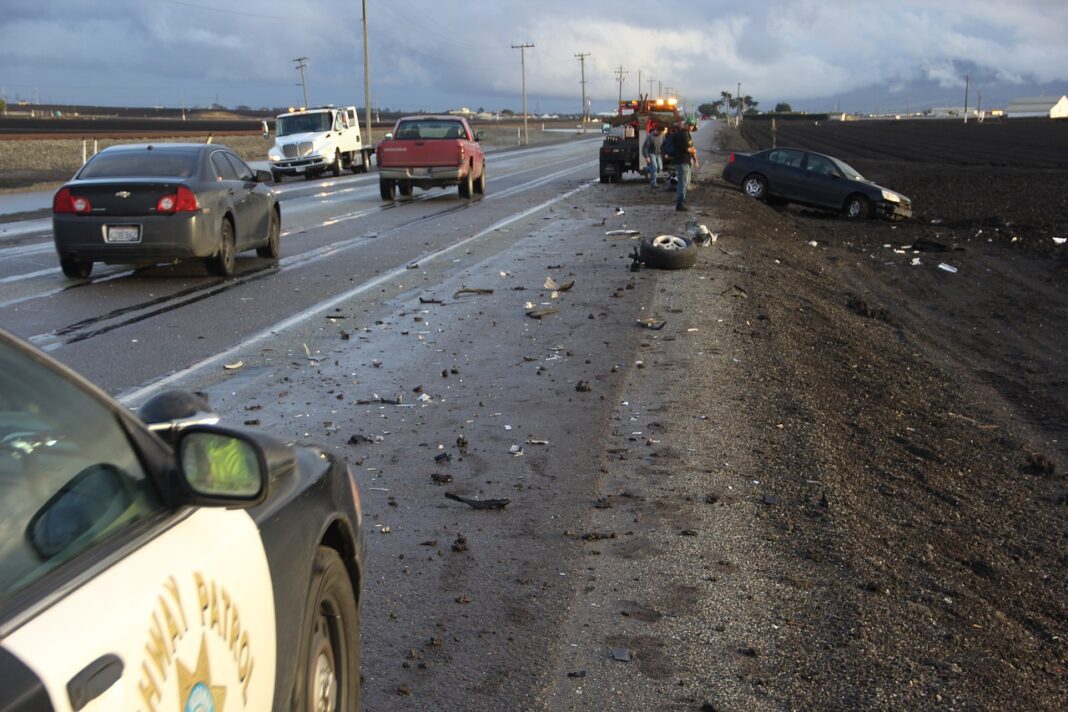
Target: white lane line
[26, 227]
[136, 395]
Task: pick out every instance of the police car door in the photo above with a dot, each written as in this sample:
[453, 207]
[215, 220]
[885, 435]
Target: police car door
[108, 599]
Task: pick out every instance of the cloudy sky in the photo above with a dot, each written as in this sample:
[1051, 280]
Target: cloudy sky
[437, 54]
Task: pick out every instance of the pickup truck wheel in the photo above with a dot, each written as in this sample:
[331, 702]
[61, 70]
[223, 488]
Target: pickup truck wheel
[387, 189]
[335, 167]
[467, 185]
[405, 189]
[357, 165]
[480, 184]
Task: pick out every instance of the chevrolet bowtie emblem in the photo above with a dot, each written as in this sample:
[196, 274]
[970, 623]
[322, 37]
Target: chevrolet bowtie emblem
[123, 194]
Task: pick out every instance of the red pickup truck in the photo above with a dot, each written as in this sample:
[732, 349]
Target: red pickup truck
[431, 152]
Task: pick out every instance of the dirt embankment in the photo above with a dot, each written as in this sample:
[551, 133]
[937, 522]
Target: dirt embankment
[910, 382]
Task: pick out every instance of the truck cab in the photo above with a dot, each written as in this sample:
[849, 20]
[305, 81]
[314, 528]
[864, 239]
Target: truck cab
[309, 142]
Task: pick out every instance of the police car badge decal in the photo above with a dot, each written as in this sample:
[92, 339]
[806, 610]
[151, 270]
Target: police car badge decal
[194, 686]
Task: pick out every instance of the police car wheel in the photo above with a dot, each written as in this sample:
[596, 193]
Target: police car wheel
[332, 657]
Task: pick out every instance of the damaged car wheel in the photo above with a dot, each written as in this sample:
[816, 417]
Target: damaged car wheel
[668, 252]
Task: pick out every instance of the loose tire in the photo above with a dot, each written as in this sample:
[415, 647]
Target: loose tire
[467, 185]
[667, 252]
[857, 207]
[222, 264]
[273, 247]
[330, 656]
[76, 269]
[387, 189]
[755, 186]
[480, 184]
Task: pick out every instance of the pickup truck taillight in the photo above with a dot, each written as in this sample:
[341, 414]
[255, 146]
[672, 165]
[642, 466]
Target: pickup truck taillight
[461, 160]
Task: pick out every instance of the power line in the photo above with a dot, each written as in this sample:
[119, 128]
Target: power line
[229, 12]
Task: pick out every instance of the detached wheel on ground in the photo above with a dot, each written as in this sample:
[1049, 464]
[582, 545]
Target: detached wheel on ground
[273, 247]
[755, 186]
[76, 269]
[480, 184]
[330, 659]
[222, 264]
[387, 189]
[667, 252]
[857, 207]
[467, 185]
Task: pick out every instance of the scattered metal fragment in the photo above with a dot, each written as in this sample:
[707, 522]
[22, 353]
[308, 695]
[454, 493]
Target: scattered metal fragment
[583, 387]
[550, 283]
[472, 290]
[735, 291]
[651, 323]
[479, 503]
[443, 457]
[621, 654]
[622, 232]
[543, 312]
[440, 478]
[234, 366]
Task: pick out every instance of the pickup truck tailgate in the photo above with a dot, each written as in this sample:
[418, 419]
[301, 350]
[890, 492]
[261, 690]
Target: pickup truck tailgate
[419, 152]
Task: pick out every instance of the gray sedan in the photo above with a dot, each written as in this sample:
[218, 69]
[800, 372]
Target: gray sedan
[146, 203]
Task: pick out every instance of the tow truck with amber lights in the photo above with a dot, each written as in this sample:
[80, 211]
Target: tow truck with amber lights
[309, 142]
[621, 149]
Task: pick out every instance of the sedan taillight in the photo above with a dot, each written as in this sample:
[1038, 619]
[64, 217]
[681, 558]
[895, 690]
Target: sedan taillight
[64, 202]
[731, 158]
[181, 201]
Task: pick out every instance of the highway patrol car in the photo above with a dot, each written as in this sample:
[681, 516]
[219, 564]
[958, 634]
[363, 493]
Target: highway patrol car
[193, 568]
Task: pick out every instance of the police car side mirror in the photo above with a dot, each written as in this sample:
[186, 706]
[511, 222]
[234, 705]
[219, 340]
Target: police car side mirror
[229, 467]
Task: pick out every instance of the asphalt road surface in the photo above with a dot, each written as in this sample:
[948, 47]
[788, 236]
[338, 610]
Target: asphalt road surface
[362, 338]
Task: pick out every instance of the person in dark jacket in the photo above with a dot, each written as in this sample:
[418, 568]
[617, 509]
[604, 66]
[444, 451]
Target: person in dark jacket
[685, 161]
[651, 153]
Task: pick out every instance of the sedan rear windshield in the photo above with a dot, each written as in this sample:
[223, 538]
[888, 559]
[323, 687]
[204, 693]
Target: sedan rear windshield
[134, 164]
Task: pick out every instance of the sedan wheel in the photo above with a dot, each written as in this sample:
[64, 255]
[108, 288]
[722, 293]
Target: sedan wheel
[755, 186]
[857, 207]
[273, 247]
[222, 264]
[76, 269]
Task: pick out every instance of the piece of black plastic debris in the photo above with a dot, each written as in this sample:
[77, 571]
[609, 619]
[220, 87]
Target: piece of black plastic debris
[427, 300]
[440, 479]
[443, 457]
[252, 421]
[479, 503]
[748, 652]
[360, 439]
[542, 313]
[652, 324]
[460, 544]
[621, 654]
[583, 387]
[924, 244]
[688, 532]
[461, 442]
[770, 499]
[577, 673]
[823, 501]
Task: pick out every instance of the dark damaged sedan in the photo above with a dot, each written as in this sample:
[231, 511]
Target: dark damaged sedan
[149, 203]
[790, 175]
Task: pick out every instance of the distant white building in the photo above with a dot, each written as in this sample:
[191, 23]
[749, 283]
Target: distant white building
[462, 111]
[1038, 106]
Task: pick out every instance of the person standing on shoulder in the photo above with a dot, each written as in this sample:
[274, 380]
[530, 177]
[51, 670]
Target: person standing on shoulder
[686, 160]
[651, 152]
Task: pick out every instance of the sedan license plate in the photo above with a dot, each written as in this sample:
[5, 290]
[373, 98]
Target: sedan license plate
[123, 233]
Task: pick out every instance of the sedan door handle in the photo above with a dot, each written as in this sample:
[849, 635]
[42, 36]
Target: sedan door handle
[94, 680]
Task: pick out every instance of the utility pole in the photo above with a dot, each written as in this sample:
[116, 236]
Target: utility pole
[651, 87]
[581, 56]
[967, 81]
[300, 61]
[659, 88]
[523, 69]
[738, 104]
[366, 83]
[620, 75]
